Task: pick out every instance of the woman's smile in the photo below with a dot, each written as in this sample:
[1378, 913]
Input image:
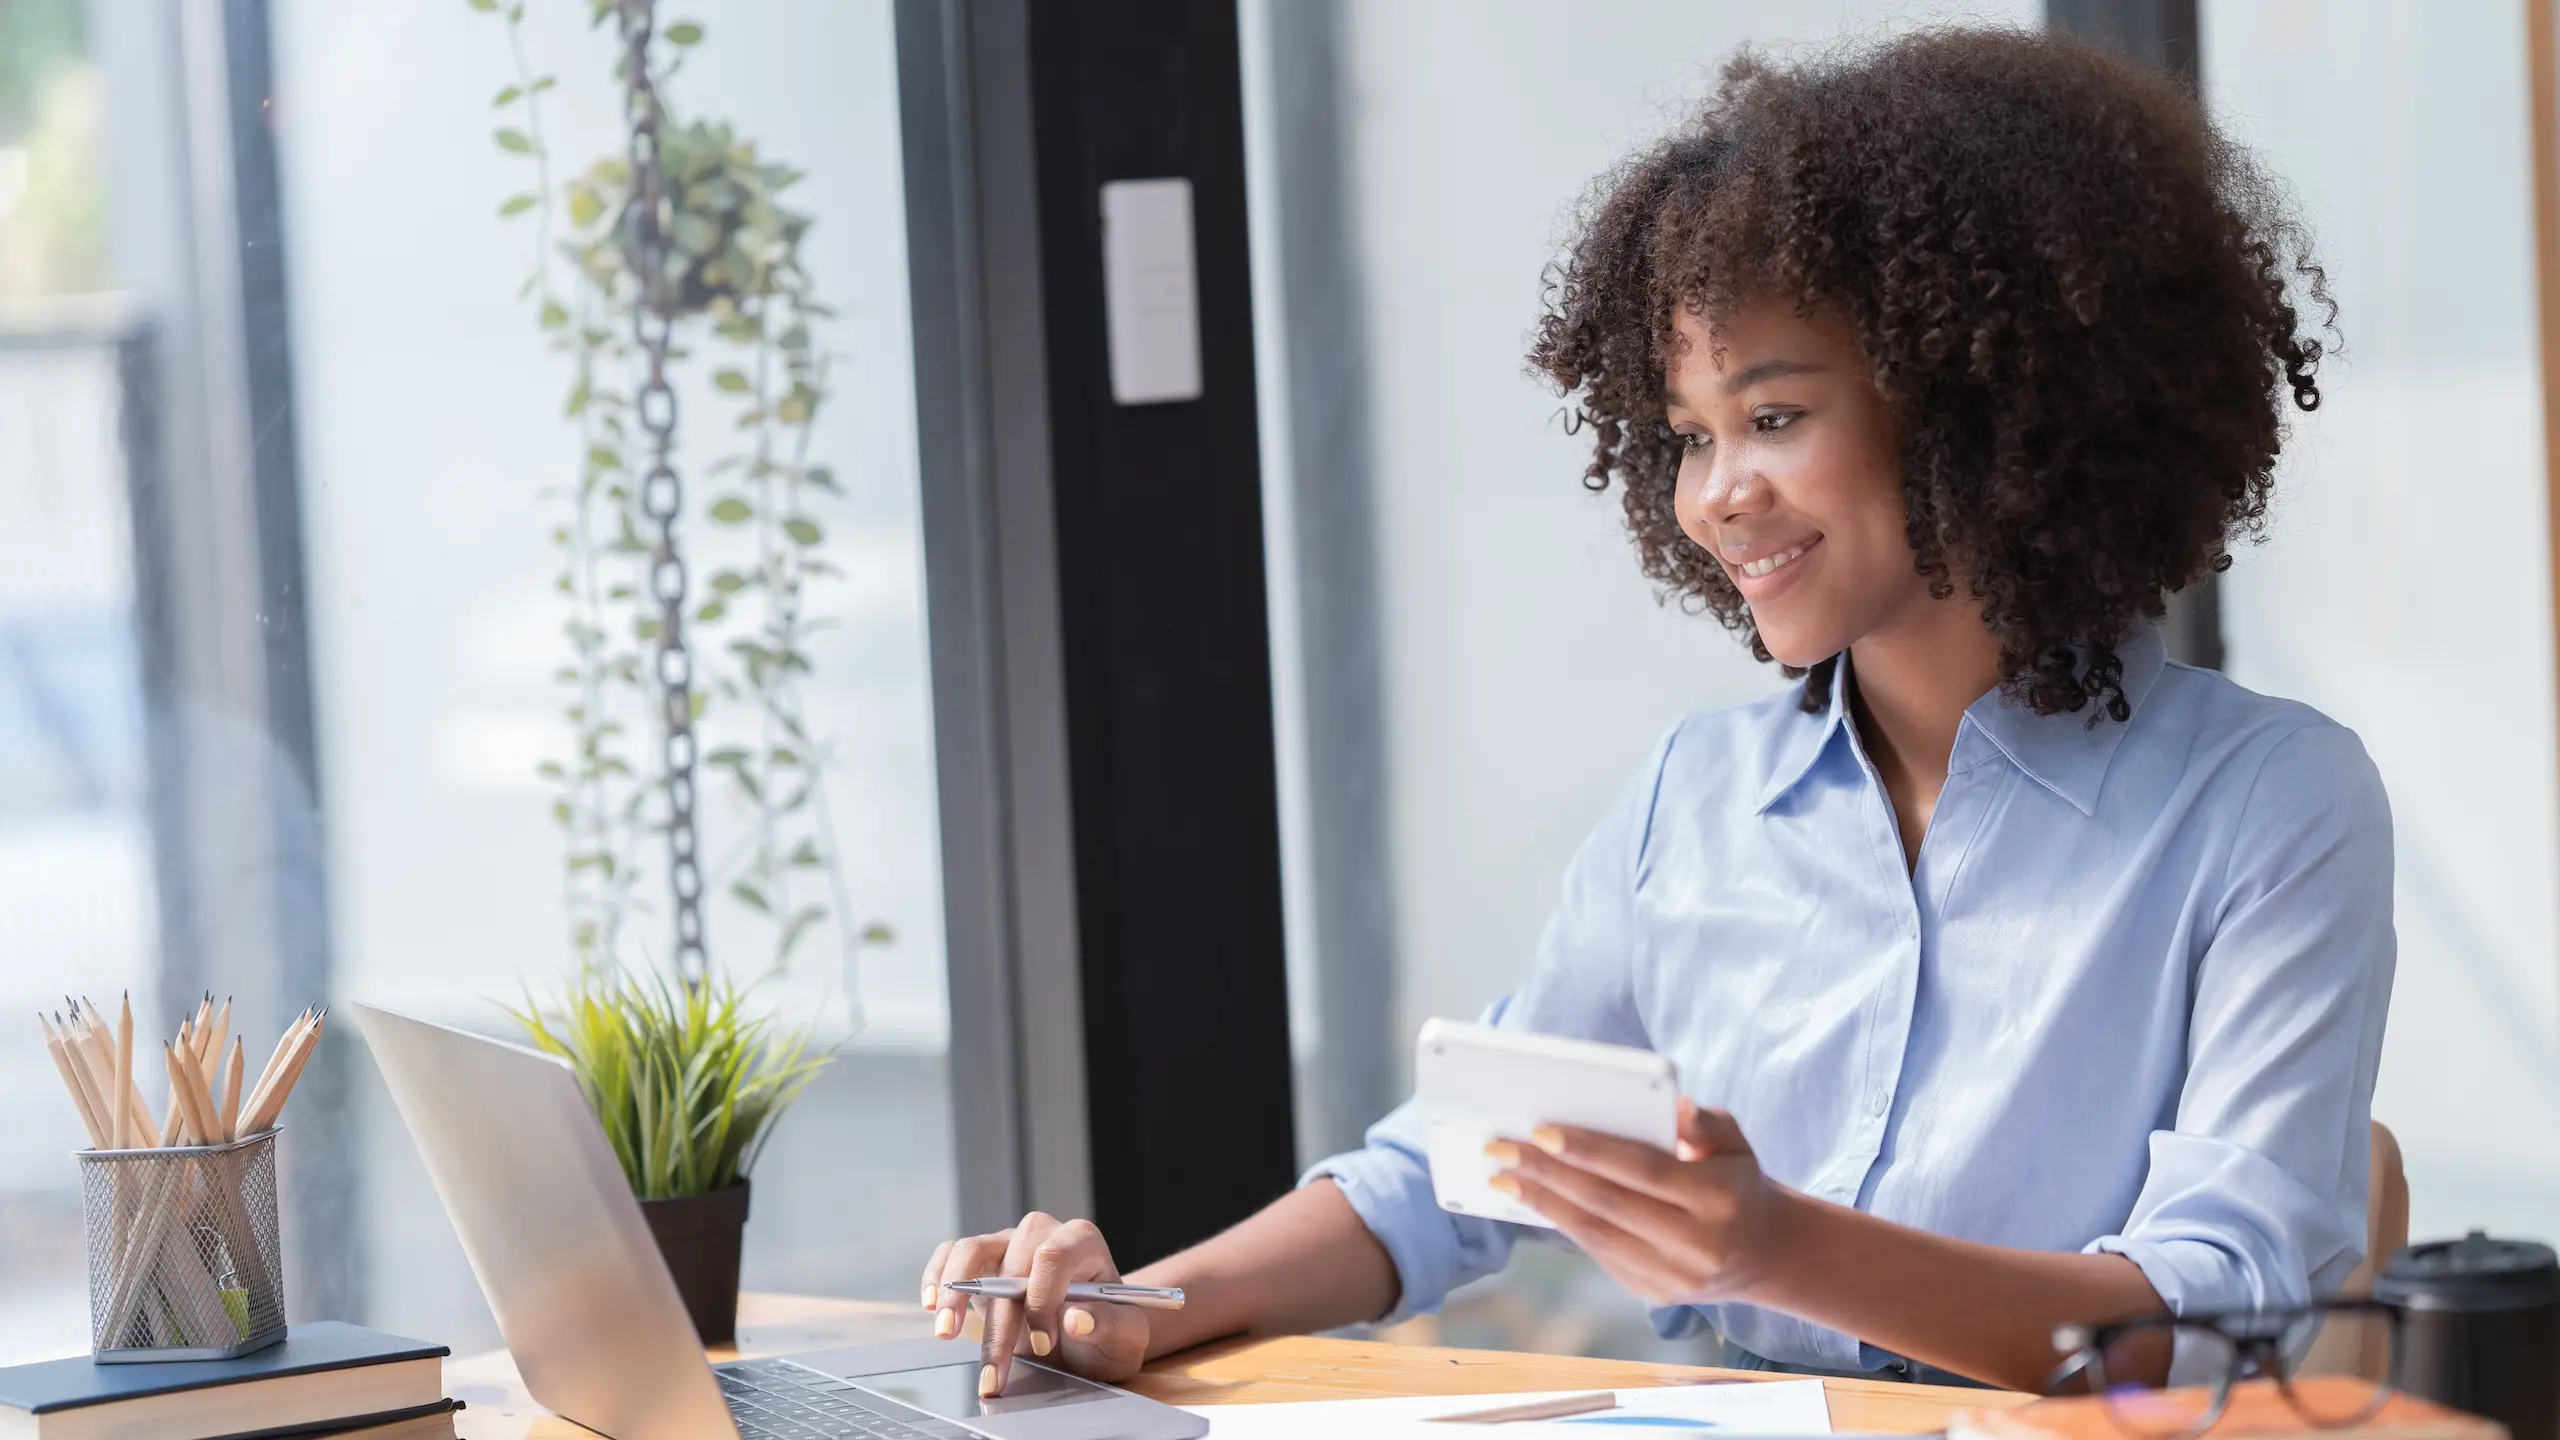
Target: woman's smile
[1760, 568]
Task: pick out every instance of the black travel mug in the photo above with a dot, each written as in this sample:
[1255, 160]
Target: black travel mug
[2480, 1329]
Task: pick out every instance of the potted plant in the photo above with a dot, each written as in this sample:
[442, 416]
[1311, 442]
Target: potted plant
[687, 1085]
[687, 573]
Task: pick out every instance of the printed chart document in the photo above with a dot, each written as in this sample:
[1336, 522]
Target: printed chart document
[1738, 1408]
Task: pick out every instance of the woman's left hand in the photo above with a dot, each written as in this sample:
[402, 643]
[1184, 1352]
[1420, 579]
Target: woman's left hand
[1693, 1225]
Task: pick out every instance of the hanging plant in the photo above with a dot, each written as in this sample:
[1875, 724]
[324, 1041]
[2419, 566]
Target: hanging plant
[708, 282]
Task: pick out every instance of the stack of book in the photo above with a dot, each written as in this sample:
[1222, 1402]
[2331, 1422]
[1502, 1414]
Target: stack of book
[326, 1379]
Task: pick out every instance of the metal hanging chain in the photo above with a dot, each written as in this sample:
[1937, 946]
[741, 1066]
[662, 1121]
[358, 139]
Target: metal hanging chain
[661, 494]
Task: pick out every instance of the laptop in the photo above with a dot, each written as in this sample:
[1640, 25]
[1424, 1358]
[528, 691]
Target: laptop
[593, 1319]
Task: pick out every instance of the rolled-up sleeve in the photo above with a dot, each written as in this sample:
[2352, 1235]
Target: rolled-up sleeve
[1388, 1183]
[1579, 985]
[2257, 1196]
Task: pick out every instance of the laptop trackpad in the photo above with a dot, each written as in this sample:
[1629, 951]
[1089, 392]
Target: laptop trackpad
[940, 1378]
[951, 1391]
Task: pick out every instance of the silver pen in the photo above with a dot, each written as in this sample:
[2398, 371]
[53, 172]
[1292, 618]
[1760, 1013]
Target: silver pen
[1010, 1287]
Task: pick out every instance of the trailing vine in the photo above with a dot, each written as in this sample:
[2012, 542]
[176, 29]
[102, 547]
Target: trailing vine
[746, 308]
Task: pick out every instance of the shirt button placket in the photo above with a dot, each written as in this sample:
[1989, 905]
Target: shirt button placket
[1891, 1016]
[1893, 1030]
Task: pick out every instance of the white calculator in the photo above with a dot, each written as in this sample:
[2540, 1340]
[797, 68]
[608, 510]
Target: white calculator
[1476, 1084]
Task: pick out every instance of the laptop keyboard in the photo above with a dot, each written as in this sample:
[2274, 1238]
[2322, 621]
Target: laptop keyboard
[777, 1400]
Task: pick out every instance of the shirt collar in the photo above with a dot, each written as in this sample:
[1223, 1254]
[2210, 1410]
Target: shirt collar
[1808, 737]
[2063, 753]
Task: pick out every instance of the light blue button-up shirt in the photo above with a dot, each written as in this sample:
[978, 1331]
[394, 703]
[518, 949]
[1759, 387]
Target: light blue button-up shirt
[2130, 998]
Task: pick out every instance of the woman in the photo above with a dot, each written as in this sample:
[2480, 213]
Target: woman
[2018, 975]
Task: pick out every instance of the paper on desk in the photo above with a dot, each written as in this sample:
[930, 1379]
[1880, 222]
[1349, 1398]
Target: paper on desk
[1770, 1407]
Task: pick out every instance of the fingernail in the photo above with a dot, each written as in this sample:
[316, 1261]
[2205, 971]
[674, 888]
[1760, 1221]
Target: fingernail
[1505, 1184]
[929, 1297]
[1548, 1138]
[1688, 1152]
[945, 1325]
[1040, 1342]
[1503, 1153]
[986, 1381]
[1079, 1323]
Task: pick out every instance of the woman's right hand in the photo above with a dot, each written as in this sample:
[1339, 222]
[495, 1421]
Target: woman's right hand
[1104, 1342]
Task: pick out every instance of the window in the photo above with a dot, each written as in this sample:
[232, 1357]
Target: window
[369, 439]
[76, 892]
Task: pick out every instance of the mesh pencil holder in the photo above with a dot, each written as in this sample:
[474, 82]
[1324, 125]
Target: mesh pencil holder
[185, 1257]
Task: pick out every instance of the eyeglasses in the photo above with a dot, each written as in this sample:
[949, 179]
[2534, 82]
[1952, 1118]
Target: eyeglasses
[2127, 1362]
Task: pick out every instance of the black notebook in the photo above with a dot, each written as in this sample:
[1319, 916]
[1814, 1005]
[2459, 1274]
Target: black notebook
[320, 1373]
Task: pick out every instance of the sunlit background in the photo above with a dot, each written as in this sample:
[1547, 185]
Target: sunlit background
[178, 815]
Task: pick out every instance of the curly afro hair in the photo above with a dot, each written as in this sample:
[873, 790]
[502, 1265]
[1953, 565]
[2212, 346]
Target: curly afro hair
[2071, 289]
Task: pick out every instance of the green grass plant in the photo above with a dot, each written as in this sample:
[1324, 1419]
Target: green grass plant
[687, 1081]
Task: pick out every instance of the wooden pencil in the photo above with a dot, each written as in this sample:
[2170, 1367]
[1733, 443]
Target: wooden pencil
[131, 1039]
[207, 1114]
[177, 1095]
[231, 1090]
[134, 1117]
[192, 1128]
[274, 1067]
[1556, 1409]
[76, 1065]
[202, 1058]
[185, 1046]
[124, 1067]
[271, 1104]
[170, 1124]
[212, 1056]
[271, 1109]
[75, 1048]
[79, 1097]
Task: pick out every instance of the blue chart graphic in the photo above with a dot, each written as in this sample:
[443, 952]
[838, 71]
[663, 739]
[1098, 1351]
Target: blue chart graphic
[1649, 1422]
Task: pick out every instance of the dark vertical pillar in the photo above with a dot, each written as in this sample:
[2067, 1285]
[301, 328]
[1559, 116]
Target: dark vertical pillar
[2159, 33]
[1160, 565]
[1133, 533]
[2163, 34]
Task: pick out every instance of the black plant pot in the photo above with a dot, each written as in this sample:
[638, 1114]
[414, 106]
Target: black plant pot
[699, 1235]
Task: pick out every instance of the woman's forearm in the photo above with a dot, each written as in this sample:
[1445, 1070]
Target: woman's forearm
[1306, 1263]
[1303, 1263]
[1986, 1311]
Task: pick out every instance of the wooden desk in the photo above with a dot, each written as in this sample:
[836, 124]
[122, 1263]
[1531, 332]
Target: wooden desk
[1230, 1372]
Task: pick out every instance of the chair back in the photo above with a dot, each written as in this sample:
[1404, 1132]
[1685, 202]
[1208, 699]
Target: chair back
[2357, 1350]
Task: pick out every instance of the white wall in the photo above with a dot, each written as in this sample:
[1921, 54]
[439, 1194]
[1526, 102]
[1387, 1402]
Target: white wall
[1528, 668]
[2406, 586]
